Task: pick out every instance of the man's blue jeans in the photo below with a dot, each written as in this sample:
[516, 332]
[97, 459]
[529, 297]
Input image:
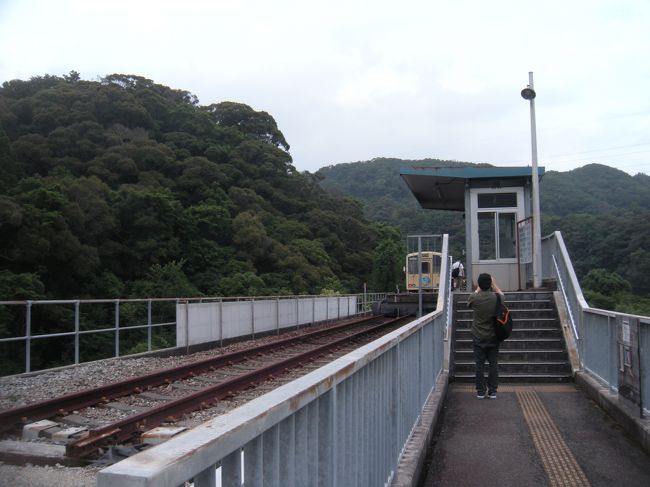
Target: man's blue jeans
[489, 352]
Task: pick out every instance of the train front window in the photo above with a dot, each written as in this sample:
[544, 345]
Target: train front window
[413, 266]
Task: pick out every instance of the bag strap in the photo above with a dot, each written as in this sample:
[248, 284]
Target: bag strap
[498, 305]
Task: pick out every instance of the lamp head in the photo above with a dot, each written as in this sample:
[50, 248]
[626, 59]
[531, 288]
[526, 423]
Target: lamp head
[528, 93]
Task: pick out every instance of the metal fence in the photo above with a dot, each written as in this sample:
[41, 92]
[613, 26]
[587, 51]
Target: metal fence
[36, 335]
[598, 332]
[346, 423]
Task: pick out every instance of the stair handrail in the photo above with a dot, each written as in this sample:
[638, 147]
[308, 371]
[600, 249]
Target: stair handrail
[570, 287]
[566, 301]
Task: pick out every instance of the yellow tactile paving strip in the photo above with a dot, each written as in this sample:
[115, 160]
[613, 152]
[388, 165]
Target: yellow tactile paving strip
[558, 461]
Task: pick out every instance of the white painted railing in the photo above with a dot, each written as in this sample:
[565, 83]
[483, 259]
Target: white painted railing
[597, 332]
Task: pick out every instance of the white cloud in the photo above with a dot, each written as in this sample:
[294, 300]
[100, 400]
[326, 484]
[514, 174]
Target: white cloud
[351, 80]
[376, 84]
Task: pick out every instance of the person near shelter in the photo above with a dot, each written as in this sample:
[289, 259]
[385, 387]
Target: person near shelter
[486, 346]
[457, 274]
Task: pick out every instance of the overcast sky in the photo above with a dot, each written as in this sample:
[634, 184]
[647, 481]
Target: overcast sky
[353, 80]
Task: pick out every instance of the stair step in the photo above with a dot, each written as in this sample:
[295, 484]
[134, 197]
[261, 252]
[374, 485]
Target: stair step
[466, 323]
[516, 355]
[517, 362]
[516, 344]
[509, 377]
[517, 305]
[465, 314]
[518, 367]
[521, 333]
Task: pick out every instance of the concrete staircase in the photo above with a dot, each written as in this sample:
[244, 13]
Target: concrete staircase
[535, 351]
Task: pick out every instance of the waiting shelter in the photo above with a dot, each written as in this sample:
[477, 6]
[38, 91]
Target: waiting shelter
[497, 207]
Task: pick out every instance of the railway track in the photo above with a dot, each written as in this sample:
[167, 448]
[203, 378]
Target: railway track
[224, 378]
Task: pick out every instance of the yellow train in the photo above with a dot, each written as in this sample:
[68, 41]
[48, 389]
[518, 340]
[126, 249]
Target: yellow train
[430, 265]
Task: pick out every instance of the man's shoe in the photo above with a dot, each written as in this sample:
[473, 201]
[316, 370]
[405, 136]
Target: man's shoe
[480, 396]
[492, 395]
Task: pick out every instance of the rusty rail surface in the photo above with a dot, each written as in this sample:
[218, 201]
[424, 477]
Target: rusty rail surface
[11, 418]
[126, 429]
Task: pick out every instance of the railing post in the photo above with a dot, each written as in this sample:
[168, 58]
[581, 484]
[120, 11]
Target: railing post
[76, 332]
[231, 470]
[207, 478]
[117, 328]
[253, 466]
[221, 322]
[149, 325]
[253, 316]
[28, 337]
[611, 348]
[187, 325]
[277, 315]
[421, 386]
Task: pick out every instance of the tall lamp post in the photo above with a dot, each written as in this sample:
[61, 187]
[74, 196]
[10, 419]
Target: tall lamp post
[528, 93]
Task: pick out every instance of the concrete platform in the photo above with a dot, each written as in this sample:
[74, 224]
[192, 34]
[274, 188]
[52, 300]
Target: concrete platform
[532, 434]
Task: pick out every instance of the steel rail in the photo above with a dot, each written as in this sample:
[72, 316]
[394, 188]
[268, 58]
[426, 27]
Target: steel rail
[89, 397]
[126, 428]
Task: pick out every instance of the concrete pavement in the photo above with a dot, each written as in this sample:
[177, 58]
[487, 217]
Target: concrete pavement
[532, 435]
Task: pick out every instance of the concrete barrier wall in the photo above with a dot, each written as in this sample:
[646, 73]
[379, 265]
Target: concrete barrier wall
[224, 320]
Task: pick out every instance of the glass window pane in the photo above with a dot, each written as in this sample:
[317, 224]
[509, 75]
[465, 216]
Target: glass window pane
[425, 267]
[497, 200]
[486, 236]
[507, 241]
[413, 265]
[436, 260]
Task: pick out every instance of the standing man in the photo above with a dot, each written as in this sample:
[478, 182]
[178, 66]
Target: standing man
[483, 302]
[458, 274]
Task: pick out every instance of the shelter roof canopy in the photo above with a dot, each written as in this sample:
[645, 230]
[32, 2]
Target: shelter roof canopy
[443, 188]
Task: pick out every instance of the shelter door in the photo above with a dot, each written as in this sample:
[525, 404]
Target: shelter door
[494, 214]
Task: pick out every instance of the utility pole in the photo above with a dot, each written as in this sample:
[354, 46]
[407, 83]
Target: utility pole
[528, 93]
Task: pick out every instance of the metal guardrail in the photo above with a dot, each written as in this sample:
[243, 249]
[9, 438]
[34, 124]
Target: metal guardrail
[596, 330]
[119, 317]
[346, 423]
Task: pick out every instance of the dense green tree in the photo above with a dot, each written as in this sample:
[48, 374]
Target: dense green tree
[608, 290]
[106, 187]
[259, 125]
[605, 282]
[388, 262]
[166, 281]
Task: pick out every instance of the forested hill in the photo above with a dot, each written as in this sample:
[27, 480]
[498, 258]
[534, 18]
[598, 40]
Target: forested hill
[594, 189]
[603, 213]
[124, 187]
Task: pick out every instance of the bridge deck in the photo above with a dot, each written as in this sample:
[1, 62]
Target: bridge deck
[532, 434]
